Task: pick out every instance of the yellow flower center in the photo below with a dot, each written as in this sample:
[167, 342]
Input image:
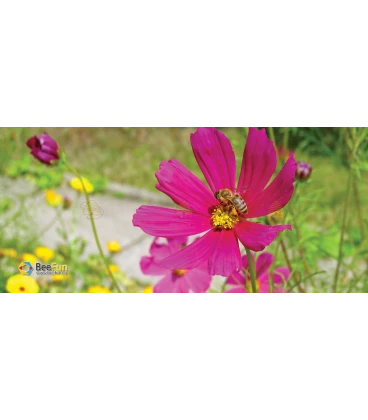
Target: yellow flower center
[248, 285]
[224, 218]
[178, 272]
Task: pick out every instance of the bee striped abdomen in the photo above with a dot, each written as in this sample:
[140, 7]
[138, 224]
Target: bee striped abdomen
[240, 204]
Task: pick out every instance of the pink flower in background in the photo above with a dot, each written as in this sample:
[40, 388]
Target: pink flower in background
[44, 148]
[219, 247]
[177, 280]
[242, 282]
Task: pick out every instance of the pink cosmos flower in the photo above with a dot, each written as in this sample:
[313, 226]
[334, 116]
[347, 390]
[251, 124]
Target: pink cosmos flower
[203, 212]
[241, 279]
[178, 280]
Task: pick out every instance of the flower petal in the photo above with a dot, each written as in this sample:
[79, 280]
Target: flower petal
[256, 236]
[149, 267]
[184, 188]
[238, 289]
[263, 263]
[160, 221]
[159, 248]
[193, 255]
[236, 277]
[177, 243]
[264, 283]
[282, 275]
[277, 194]
[215, 156]
[194, 281]
[259, 163]
[43, 157]
[225, 257]
[165, 285]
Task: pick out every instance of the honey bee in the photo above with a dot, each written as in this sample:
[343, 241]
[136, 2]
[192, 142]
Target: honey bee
[226, 196]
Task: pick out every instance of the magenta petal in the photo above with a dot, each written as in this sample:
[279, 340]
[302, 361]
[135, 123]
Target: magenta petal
[166, 284]
[194, 254]
[184, 188]
[281, 275]
[194, 281]
[238, 289]
[160, 221]
[263, 263]
[256, 236]
[149, 267]
[259, 163]
[43, 157]
[237, 278]
[215, 156]
[264, 283]
[277, 194]
[225, 257]
[160, 249]
[33, 142]
[177, 243]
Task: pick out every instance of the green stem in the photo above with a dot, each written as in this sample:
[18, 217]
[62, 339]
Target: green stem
[272, 134]
[95, 234]
[62, 223]
[252, 271]
[344, 217]
[359, 210]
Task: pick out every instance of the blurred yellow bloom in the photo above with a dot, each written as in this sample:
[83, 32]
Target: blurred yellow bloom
[30, 258]
[21, 284]
[60, 277]
[148, 289]
[53, 199]
[113, 246]
[8, 252]
[77, 185]
[44, 254]
[113, 269]
[276, 217]
[98, 289]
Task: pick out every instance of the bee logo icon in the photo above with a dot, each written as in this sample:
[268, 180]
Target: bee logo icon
[92, 210]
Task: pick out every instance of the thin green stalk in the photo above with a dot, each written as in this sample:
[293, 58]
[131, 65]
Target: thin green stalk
[344, 217]
[61, 220]
[95, 234]
[272, 134]
[252, 271]
[359, 210]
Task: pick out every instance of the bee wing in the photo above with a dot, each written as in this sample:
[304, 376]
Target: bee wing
[243, 190]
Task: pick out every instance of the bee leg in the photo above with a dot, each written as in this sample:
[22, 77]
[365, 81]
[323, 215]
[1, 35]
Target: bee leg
[234, 212]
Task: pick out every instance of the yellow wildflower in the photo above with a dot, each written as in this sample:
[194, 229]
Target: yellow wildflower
[148, 289]
[21, 284]
[53, 199]
[30, 258]
[113, 268]
[8, 252]
[44, 254]
[98, 289]
[77, 185]
[113, 246]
